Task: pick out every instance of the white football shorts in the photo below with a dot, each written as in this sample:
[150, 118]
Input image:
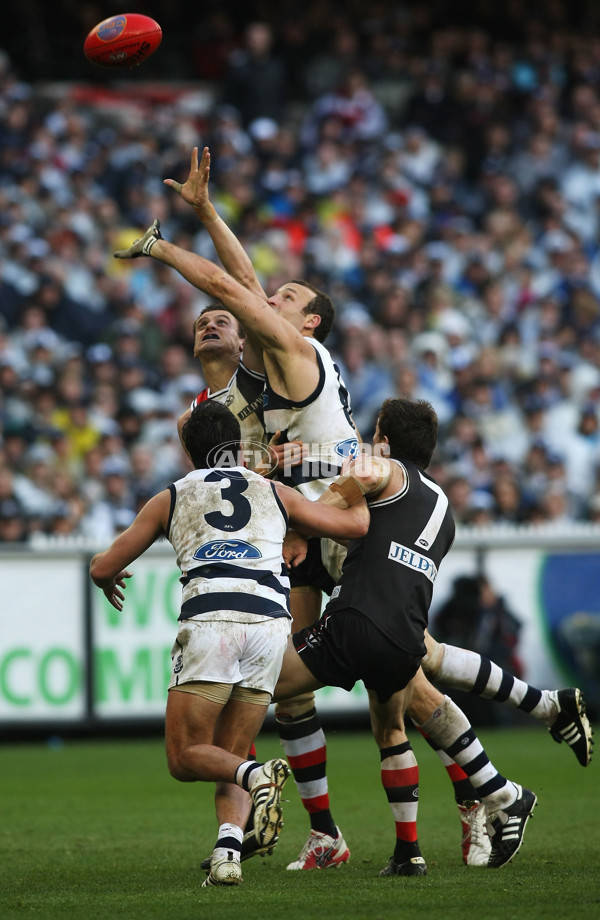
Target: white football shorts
[222, 651]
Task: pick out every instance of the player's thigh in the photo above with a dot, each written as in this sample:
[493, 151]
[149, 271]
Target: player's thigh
[433, 657]
[190, 719]
[430, 642]
[295, 677]
[238, 725]
[305, 606]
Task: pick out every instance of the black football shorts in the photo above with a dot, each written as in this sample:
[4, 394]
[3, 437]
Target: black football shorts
[346, 646]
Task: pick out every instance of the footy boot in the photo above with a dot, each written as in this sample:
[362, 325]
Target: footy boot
[265, 791]
[507, 827]
[572, 724]
[476, 844]
[225, 869]
[321, 851]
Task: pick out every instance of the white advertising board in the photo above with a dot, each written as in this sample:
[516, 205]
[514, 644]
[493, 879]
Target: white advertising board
[42, 639]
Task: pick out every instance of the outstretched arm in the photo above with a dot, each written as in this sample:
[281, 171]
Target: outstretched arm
[229, 249]
[108, 569]
[271, 330]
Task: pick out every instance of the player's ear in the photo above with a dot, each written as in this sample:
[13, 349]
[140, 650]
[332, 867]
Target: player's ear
[312, 321]
[382, 448]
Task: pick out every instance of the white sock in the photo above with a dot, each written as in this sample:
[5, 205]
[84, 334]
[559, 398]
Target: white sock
[229, 840]
[471, 672]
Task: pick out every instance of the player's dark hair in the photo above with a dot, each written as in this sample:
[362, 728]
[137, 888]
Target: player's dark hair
[322, 305]
[210, 426]
[211, 308]
[411, 429]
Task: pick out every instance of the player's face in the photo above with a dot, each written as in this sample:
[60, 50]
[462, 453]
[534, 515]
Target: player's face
[289, 301]
[217, 332]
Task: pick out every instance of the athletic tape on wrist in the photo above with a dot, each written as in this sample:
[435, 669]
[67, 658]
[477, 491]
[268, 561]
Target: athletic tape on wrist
[349, 488]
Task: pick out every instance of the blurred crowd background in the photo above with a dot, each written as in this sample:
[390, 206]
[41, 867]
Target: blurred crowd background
[436, 170]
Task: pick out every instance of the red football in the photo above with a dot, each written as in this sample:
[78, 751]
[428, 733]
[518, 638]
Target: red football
[122, 41]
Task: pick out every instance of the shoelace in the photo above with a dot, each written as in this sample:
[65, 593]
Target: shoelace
[478, 832]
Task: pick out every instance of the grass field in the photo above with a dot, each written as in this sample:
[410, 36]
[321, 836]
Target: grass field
[97, 829]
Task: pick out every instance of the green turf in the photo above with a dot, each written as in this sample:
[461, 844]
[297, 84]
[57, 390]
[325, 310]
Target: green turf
[99, 829]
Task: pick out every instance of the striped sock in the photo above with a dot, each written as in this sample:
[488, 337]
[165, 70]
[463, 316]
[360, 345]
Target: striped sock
[243, 774]
[452, 731]
[463, 788]
[464, 670]
[400, 779]
[229, 839]
[303, 741]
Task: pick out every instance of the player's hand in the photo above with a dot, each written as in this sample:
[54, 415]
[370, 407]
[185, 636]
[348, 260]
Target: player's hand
[286, 455]
[113, 591]
[281, 456]
[195, 188]
[294, 549]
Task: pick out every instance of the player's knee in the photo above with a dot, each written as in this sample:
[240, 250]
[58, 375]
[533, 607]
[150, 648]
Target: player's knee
[176, 763]
[298, 709]
[432, 661]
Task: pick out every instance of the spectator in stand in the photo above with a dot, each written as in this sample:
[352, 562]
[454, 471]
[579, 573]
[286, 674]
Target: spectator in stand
[426, 174]
[255, 79]
[13, 522]
[476, 617]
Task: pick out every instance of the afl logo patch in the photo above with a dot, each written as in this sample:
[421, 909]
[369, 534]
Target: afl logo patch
[112, 28]
[178, 665]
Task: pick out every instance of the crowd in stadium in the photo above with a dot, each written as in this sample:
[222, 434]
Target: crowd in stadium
[442, 184]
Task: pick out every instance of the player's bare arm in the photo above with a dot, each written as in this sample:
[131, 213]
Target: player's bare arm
[289, 357]
[313, 519]
[252, 310]
[229, 249]
[108, 570]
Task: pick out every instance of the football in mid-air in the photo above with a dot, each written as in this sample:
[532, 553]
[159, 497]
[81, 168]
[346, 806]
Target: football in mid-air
[123, 41]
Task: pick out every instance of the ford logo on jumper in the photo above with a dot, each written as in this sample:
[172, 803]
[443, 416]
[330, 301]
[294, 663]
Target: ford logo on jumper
[347, 448]
[227, 549]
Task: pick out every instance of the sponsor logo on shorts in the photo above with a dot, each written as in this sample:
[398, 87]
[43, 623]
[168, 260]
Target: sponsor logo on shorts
[227, 549]
[178, 665]
[336, 591]
[313, 639]
[347, 448]
[413, 560]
